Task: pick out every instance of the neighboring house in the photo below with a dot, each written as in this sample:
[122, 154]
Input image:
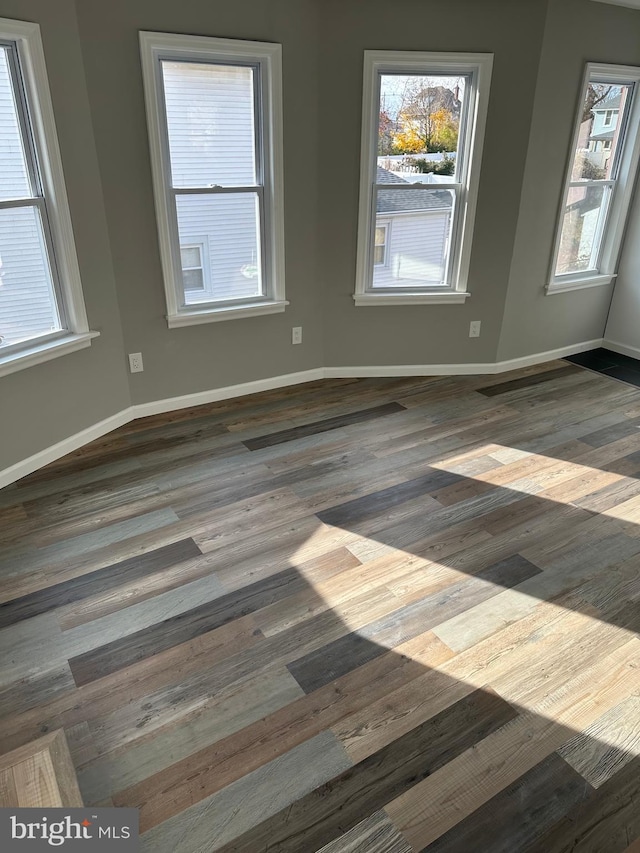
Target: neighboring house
[218, 234]
[603, 129]
[411, 234]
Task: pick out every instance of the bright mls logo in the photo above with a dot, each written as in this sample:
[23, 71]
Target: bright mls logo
[27, 830]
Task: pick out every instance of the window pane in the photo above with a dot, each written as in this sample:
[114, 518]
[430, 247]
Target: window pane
[582, 226]
[419, 125]
[14, 178]
[211, 124]
[27, 302]
[417, 244]
[230, 223]
[190, 256]
[599, 137]
[192, 279]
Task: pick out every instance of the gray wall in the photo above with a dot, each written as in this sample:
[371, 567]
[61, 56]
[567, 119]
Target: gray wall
[92, 52]
[49, 402]
[425, 334]
[577, 31]
[623, 324]
[197, 358]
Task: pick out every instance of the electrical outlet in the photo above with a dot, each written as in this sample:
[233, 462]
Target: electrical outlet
[474, 329]
[135, 362]
[296, 335]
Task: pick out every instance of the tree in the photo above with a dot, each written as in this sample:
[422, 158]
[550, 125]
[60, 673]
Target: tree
[596, 92]
[429, 118]
[385, 132]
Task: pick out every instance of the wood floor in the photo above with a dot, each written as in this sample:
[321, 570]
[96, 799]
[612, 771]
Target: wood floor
[355, 616]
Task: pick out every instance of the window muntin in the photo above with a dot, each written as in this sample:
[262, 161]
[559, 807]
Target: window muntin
[423, 124]
[214, 114]
[600, 177]
[31, 307]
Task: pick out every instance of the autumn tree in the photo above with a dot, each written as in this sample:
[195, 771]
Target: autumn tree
[428, 118]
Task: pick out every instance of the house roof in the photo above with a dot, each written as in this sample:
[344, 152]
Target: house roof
[401, 201]
[607, 134]
[612, 103]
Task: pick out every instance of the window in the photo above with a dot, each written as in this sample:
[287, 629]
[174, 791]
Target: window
[423, 126]
[215, 129]
[42, 311]
[599, 179]
[193, 266]
[380, 245]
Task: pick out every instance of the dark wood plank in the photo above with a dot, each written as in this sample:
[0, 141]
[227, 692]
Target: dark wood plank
[99, 581]
[528, 381]
[180, 629]
[322, 426]
[604, 823]
[519, 814]
[324, 665]
[608, 435]
[18, 697]
[383, 500]
[340, 804]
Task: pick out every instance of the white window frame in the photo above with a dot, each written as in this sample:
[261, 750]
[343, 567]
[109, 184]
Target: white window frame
[36, 115]
[156, 47]
[610, 239]
[376, 63]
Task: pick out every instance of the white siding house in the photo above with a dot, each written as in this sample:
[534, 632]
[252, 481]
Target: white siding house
[210, 123]
[27, 306]
[412, 234]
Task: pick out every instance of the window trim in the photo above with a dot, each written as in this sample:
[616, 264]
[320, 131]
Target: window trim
[65, 270]
[629, 157]
[157, 46]
[377, 62]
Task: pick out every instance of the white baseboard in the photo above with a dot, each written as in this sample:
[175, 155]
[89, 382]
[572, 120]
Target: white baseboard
[550, 355]
[623, 349]
[141, 410]
[75, 442]
[158, 407]
[67, 445]
[459, 369]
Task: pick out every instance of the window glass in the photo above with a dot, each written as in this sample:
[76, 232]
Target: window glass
[593, 176]
[211, 124]
[29, 304]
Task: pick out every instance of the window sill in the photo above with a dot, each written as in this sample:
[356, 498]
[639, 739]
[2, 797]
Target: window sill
[579, 284]
[232, 312]
[39, 353]
[441, 297]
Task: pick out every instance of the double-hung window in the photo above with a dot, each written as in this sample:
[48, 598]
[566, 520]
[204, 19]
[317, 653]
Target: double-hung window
[215, 127]
[599, 182]
[42, 312]
[422, 130]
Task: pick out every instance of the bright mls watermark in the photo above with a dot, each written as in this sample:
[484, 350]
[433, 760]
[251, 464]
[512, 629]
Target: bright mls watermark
[27, 830]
